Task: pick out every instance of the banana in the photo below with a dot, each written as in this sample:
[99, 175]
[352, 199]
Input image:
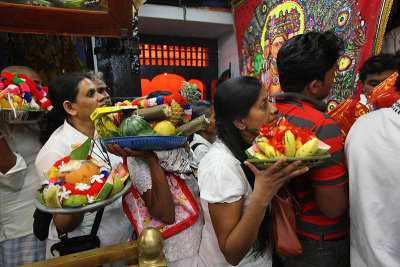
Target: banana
[100, 128]
[261, 156]
[109, 124]
[262, 142]
[289, 144]
[308, 149]
[298, 143]
[269, 151]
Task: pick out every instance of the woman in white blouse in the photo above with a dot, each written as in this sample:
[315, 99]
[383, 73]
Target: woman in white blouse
[234, 194]
[74, 97]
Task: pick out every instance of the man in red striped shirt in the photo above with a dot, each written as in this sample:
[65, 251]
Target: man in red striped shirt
[306, 66]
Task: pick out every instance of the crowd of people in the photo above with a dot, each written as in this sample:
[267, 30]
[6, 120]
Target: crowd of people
[348, 212]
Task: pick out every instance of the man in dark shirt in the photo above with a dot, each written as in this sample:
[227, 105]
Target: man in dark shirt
[306, 66]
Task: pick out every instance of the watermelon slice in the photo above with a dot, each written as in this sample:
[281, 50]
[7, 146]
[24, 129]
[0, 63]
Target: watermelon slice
[322, 149]
[106, 189]
[252, 151]
[122, 172]
[74, 201]
[51, 198]
[118, 186]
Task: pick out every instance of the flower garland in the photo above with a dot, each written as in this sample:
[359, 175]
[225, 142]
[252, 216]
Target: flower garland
[18, 84]
[159, 100]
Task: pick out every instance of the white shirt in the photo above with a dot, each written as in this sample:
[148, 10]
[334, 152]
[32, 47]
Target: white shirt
[114, 227]
[222, 180]
[391, 41]
[19, 185]
[373, 152]
[201, 148]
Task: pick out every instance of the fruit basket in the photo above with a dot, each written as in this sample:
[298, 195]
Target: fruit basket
[80, 183]
[20, 116]
[150, 142]
[21, 99]
[310, 162]
[88, 208]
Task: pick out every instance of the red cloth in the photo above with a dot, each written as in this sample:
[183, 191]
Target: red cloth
[346, 114]
[385, 94]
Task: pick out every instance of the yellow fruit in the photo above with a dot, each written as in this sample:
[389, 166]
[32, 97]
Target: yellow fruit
[308, 149]
[177, 112]
[261, 156]
[165, 128]
[100, 127]
[109, 124]
[17, 99]
[4, 103]
[289, 144]
[299, 144]
[269, 151]
[262, 142]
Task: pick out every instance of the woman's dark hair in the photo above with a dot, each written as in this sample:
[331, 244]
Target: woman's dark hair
[397, 56]
[158, 93]
[63, 88]
[233, 101]
[201, 107]
[307, 57]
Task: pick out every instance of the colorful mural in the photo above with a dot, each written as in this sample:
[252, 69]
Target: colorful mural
[49, 55]
[95, 5]
[264, 26]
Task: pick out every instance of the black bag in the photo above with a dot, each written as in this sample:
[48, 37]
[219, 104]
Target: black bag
[79, 243]
[41, 224]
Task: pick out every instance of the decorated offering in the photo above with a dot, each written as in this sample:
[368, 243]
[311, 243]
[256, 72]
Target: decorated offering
[280, 138]
[79, 180]
[148, 124]
[21, 99]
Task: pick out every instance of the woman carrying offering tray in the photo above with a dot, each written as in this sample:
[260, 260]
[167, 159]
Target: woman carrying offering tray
[75, 97]
[234, 194]
[166, 193]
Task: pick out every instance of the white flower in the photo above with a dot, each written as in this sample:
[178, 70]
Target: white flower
[64, 193]
[97, 178]
[82, 186]
[90, 198]
[103, 168]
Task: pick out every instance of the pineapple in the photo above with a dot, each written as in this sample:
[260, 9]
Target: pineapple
[177, 112]
[190, 92]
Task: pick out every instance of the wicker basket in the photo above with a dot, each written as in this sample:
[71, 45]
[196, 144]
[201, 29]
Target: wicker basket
[20, 116]
[147, 142]
[310, 162]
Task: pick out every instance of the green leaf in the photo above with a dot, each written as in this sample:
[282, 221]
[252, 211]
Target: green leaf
[253, 129]
[82, 152]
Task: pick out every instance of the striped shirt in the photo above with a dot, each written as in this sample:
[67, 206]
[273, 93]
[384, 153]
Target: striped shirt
[306, 112]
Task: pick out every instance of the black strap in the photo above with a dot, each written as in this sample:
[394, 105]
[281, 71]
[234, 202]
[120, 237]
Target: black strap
[96, 224]
[196, 145]
[95, 227]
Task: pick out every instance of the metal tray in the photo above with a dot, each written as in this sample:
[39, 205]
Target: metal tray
[310, 162]
[22, 116]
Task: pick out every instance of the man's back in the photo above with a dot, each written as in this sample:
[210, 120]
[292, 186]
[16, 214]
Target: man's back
[373, 151]
[306, 112]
